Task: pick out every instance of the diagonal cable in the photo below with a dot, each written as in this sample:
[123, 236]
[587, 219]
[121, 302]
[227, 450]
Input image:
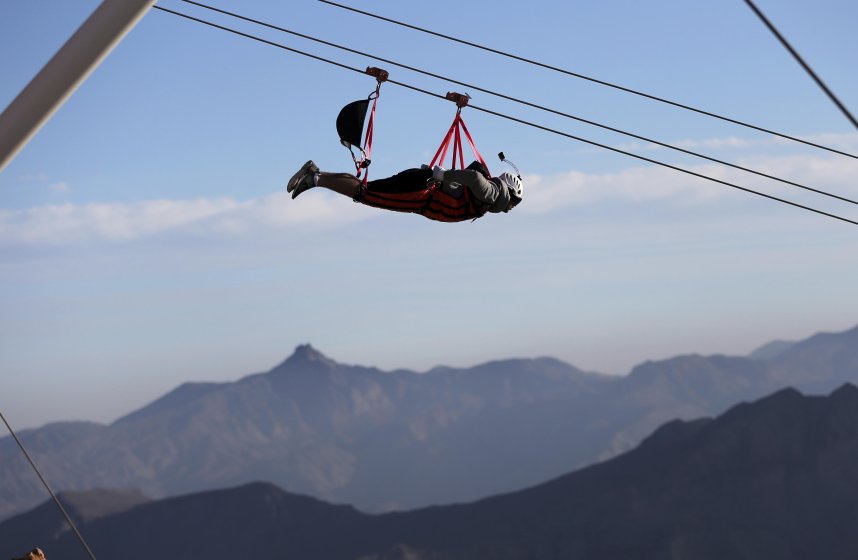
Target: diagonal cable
[663, 164]
[48, 488]
[514, 119]
[589, 78]
[520, 101]
[801, 61]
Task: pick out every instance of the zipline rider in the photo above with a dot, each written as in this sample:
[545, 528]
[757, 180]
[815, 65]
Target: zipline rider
[452, 195]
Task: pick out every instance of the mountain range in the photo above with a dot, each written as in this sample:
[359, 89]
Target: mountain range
[399, 440]
[772, 479]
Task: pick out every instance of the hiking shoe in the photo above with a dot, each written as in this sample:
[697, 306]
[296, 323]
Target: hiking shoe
[304, 184]
[304, 175]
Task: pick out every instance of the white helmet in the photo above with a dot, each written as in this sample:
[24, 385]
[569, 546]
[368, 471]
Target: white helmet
[513, 182]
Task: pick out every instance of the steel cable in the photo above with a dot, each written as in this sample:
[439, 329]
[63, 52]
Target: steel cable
[803, 64]
[514, 119]
[48, 488]
[588, 78]
[520, 101]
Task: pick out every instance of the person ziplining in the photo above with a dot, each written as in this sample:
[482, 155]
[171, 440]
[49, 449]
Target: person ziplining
[445, 195]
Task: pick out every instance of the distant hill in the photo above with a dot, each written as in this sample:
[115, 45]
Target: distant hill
[772, 479]
[771, 350]
[814, 364]
[400, 440]
[347, 433]
[28, 530]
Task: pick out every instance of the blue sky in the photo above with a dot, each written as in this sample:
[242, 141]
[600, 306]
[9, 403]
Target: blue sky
[145, 238]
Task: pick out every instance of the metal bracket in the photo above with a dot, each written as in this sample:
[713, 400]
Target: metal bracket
[460, 99]
[378, 73]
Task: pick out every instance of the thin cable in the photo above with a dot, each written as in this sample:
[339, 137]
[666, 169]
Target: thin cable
[48, 488]
[514, 119]
[260, 39]
[591, 79]
[290, 49]
[801, 61]
[669, 166]
[520, 101]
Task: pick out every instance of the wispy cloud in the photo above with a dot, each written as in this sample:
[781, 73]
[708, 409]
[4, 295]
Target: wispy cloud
[839, 141]
[227, 217]
[39, 176]
[113, 222]
[44, 178]
[546, 193]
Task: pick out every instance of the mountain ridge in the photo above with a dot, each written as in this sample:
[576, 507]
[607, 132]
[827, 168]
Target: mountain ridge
[387, 440]
[791, 497]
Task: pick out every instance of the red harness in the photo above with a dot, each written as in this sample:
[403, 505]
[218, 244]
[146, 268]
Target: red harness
[430, 202]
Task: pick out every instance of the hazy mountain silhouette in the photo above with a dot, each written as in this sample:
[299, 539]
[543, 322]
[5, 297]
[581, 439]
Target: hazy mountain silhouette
[312, 425]
[388, 440]
[814, 364]
[771, 479]
[771, 350]
[28, 530]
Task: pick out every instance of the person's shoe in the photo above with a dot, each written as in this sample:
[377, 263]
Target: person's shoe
[301, 177]
[304, 184]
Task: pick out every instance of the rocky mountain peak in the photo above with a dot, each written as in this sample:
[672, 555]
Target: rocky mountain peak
[846, 393]
[306, 356]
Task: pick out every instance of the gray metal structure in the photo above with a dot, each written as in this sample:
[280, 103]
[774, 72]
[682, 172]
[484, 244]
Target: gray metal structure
[68, 68]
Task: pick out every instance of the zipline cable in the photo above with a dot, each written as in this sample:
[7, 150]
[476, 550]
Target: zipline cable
[589, 78]
[663, 164]
[514, 119]
[520, 101]
[801, 61]
[48, 488]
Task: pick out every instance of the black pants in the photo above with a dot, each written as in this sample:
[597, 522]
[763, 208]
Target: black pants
[409, 180]
[412, 180]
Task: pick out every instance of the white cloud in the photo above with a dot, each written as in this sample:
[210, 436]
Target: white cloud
[711, 143]
[227, 217]
[33, 177]
[546, 193]
[60, 187]
[839, 141]
[69, 223]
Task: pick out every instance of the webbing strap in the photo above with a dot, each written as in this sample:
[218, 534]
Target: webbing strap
[455, 134]
[471, 142]
[367, 142]
[442, 149]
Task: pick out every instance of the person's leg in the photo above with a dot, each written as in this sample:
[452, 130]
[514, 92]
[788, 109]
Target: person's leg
[343, 183]
[409, 180]
[348, 185]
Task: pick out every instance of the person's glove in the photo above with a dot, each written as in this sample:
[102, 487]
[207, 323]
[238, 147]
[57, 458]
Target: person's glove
[438, 173]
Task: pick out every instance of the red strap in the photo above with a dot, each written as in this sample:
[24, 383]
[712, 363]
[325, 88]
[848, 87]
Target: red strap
[459, 145]
[367, 142]
[443, 146]
[454, 133]
[473, 146]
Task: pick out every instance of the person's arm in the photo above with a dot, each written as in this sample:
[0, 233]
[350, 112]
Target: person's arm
[483, 190]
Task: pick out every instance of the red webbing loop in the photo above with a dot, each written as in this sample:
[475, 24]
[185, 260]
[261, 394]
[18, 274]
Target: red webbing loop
[459, 145]
[471, 142]
[442, 149]
[454, 133]
[380, 76]
[367, 142]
